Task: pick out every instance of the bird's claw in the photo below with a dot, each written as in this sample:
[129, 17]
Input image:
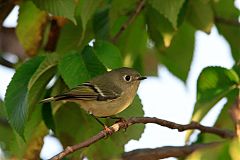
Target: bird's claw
[107, 131]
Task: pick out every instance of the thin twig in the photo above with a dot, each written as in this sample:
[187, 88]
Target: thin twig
[193, 125]
[6, 63]
[235, 114]
[232, 22]
[132, 17]
[165, 152]
[144, 120]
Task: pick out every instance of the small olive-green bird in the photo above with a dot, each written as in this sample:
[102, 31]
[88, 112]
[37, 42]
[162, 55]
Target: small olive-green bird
[105, 95]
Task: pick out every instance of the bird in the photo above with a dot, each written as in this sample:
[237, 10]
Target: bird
[105, 95]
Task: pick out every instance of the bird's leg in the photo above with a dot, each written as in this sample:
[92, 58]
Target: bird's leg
[119, 119]
[105, 127]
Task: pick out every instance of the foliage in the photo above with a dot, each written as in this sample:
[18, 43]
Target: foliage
[93, 36]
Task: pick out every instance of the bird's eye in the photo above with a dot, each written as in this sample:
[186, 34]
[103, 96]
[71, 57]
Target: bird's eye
[127, 78]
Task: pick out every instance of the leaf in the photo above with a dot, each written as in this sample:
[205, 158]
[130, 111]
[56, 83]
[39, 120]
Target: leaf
[227, 10]
[221, 152]
[178, 57]
[16, 99]
[87, 126]
[133, 41]
[170, 9]
[101, 24]
[134, 110]
[69, 38]
[38, 83]
[108, 54]
[47, 116]
[73, 70]
[120, 9]
[94, 66]
[223, 120]
[31, 23]
[85, 9]
[213, 84]
[6, 134]
[159, 28]
[200, 15]
[40, 79]
[35, 131]
[58, 8]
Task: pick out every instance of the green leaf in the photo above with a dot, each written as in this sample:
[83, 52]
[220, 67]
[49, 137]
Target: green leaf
[31, 23]
[170, 9]
[47, 116]
[101, 24]
[236, 68]
[82, 66]
[16, 99]
[120, 9]
[6, 134]
[159, 28]
[178, 57]
[223, 120]
[213, 84]
[108, 54]
[85, 9]
[219, 152]
[200, 15]
[58, 7]
[40, 79]
[73, 69]
[93, 65]
[133, 41]
[228, 11]
[69, 38]
[134, 110]
[87, 126]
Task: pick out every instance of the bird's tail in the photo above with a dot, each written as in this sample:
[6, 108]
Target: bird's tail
[50, 99]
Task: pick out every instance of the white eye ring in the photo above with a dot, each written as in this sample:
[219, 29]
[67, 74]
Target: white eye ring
[127, 78]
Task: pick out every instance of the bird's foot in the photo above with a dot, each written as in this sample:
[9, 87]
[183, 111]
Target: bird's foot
[107, 131]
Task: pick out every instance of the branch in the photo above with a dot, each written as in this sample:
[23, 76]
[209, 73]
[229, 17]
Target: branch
[5, 7]
[165, 152]
[9, 42]
[143, 120]
[232, 22]
[137, 10]
[6, 63]
[235, 114]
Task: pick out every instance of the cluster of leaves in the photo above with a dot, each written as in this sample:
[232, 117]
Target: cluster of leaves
[162, 32]
[214, 84]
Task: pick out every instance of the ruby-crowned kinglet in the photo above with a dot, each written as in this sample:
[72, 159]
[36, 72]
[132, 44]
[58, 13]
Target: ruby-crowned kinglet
[105, 95]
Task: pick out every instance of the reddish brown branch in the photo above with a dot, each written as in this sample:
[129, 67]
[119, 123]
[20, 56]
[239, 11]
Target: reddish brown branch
[193, 125]
[231, 22]
[132, 17]
[144, 120]
[235, 114]
[9, 42]
[164, 152]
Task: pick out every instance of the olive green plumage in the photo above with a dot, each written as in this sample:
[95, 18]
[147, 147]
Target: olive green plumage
[106, 94]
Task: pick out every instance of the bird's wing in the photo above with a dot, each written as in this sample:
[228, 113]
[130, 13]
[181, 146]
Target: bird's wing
[88, 91]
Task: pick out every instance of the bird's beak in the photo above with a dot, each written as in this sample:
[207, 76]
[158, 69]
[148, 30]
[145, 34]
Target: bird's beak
[141, 78]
